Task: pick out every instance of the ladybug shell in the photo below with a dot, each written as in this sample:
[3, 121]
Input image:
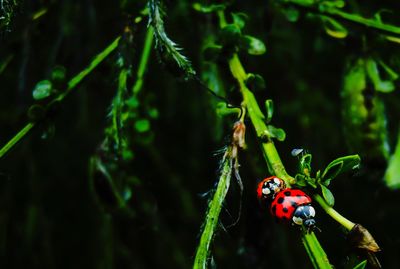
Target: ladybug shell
[286, 202]
[269, 186]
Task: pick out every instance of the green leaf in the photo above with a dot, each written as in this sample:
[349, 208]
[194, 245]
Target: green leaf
[208, 9]
[42, 90]
[391, 73]
[255, 81]
[269, 109]
[230, 34]
[379, 84]
[328, 196]
[301, 180]
[292, 14]
[132, 102]
[332, 170]
[252, 45]
[326, 5]
[333, 27]
[318, 175]
[223, 109]
[277, 133]
[311, 182]
[153, 113]
[305, 164]
[142, 125]
[58, 74]
[361, 265]
[239, 19]
[350, 162]
[126, 194]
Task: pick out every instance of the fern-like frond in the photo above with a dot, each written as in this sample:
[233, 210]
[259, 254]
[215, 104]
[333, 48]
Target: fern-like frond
[163, 43]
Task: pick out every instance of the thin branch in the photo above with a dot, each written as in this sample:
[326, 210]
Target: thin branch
[143, 60]
[341, 15]
[212, 218]
[71, 85]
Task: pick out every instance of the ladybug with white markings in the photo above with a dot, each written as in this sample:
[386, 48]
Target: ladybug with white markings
[287, 205]
[269, 187]
[294, 206]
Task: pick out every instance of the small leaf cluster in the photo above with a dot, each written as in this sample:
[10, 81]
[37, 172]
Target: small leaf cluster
[366, 79]
[322, 180]
[331, 26]
[50, 87]
[381, 75]
[129, 125]
[334, 19]
[45, 93]
[231, 38]
[272, 131]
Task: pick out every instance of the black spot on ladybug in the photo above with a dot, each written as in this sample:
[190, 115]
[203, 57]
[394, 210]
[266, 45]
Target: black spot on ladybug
[280, 200]
[285, 210]
[287, 193]
[293, 203]
[298, 195]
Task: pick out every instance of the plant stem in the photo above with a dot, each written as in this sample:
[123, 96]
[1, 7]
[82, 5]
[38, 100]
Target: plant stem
[315, 251]
[271, 155]
[71, 85]
[143, 61]
[333, 213]
[337, 13]
[21, 134]
[117, 106]
[93, 64]
[212, 217]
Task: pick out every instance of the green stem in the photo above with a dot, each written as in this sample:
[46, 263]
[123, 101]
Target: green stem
[117, 106]
[337, 13]
[21, 134]
[333, 213]
[314, 249]
[367, 22]
[71, 85]
[212, 217]
[257, 119]
[143, 61]
[93, 64]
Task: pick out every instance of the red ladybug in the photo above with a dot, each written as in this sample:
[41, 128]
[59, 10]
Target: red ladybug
[294, 206]
[269, 187]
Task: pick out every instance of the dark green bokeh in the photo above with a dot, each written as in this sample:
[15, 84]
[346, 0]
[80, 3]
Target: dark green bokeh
[50, 216]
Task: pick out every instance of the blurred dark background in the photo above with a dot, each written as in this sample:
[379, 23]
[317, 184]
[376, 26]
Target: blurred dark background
[52, 217]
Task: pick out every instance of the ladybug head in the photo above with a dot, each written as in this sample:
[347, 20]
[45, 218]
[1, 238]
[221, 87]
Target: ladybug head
[304, 215]
[269, 187]
[309, 224]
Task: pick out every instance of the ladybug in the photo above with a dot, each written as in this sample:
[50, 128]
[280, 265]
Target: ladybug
[269, 187]
[294, 206]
